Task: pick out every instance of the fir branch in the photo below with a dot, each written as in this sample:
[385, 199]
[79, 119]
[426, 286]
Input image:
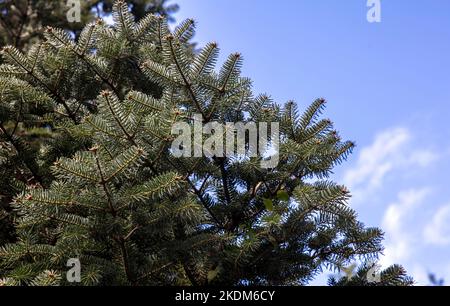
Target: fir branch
[50, 90]
[31, 167]
[187, 84]
[83, 57]
[104, 183]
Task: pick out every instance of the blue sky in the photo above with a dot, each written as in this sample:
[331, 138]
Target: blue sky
[388, 87]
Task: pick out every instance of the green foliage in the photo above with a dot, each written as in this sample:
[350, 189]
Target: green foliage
[22, 22]
[393, 276]
[103, 186]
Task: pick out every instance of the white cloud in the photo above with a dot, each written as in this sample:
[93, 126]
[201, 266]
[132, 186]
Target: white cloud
[438, 231]
[420, 275]
[390, 151]
[373, 162]
[423, 158]
[400, 240]
[396, 156]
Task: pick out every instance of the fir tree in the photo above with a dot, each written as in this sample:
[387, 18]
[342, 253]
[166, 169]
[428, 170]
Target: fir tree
[104, 187]
[22, 22]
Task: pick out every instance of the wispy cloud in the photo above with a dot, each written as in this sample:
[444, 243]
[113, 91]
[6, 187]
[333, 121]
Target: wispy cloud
[375, 160]
[395, 155]
[393, 172]
[420, 275]
[438, 231]
[391, 150]
[400, 239]
[423, 158]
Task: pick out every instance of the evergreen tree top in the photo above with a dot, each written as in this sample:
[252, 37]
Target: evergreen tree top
[22, 21]
[103, 186]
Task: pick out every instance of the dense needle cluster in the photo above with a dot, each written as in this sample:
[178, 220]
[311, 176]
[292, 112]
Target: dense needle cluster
[87, 171]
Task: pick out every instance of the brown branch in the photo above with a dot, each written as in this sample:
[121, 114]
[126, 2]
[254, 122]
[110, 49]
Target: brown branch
[120, 240]
[221, 163]
[30, 167]
[129, 137]
[7, 27]
[22, 24]
[142, 277]
[186, 82]
[103, 182]
[53, 92]
[93, 69]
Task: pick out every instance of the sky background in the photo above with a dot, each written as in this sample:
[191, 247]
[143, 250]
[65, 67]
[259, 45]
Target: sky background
[388, 88]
